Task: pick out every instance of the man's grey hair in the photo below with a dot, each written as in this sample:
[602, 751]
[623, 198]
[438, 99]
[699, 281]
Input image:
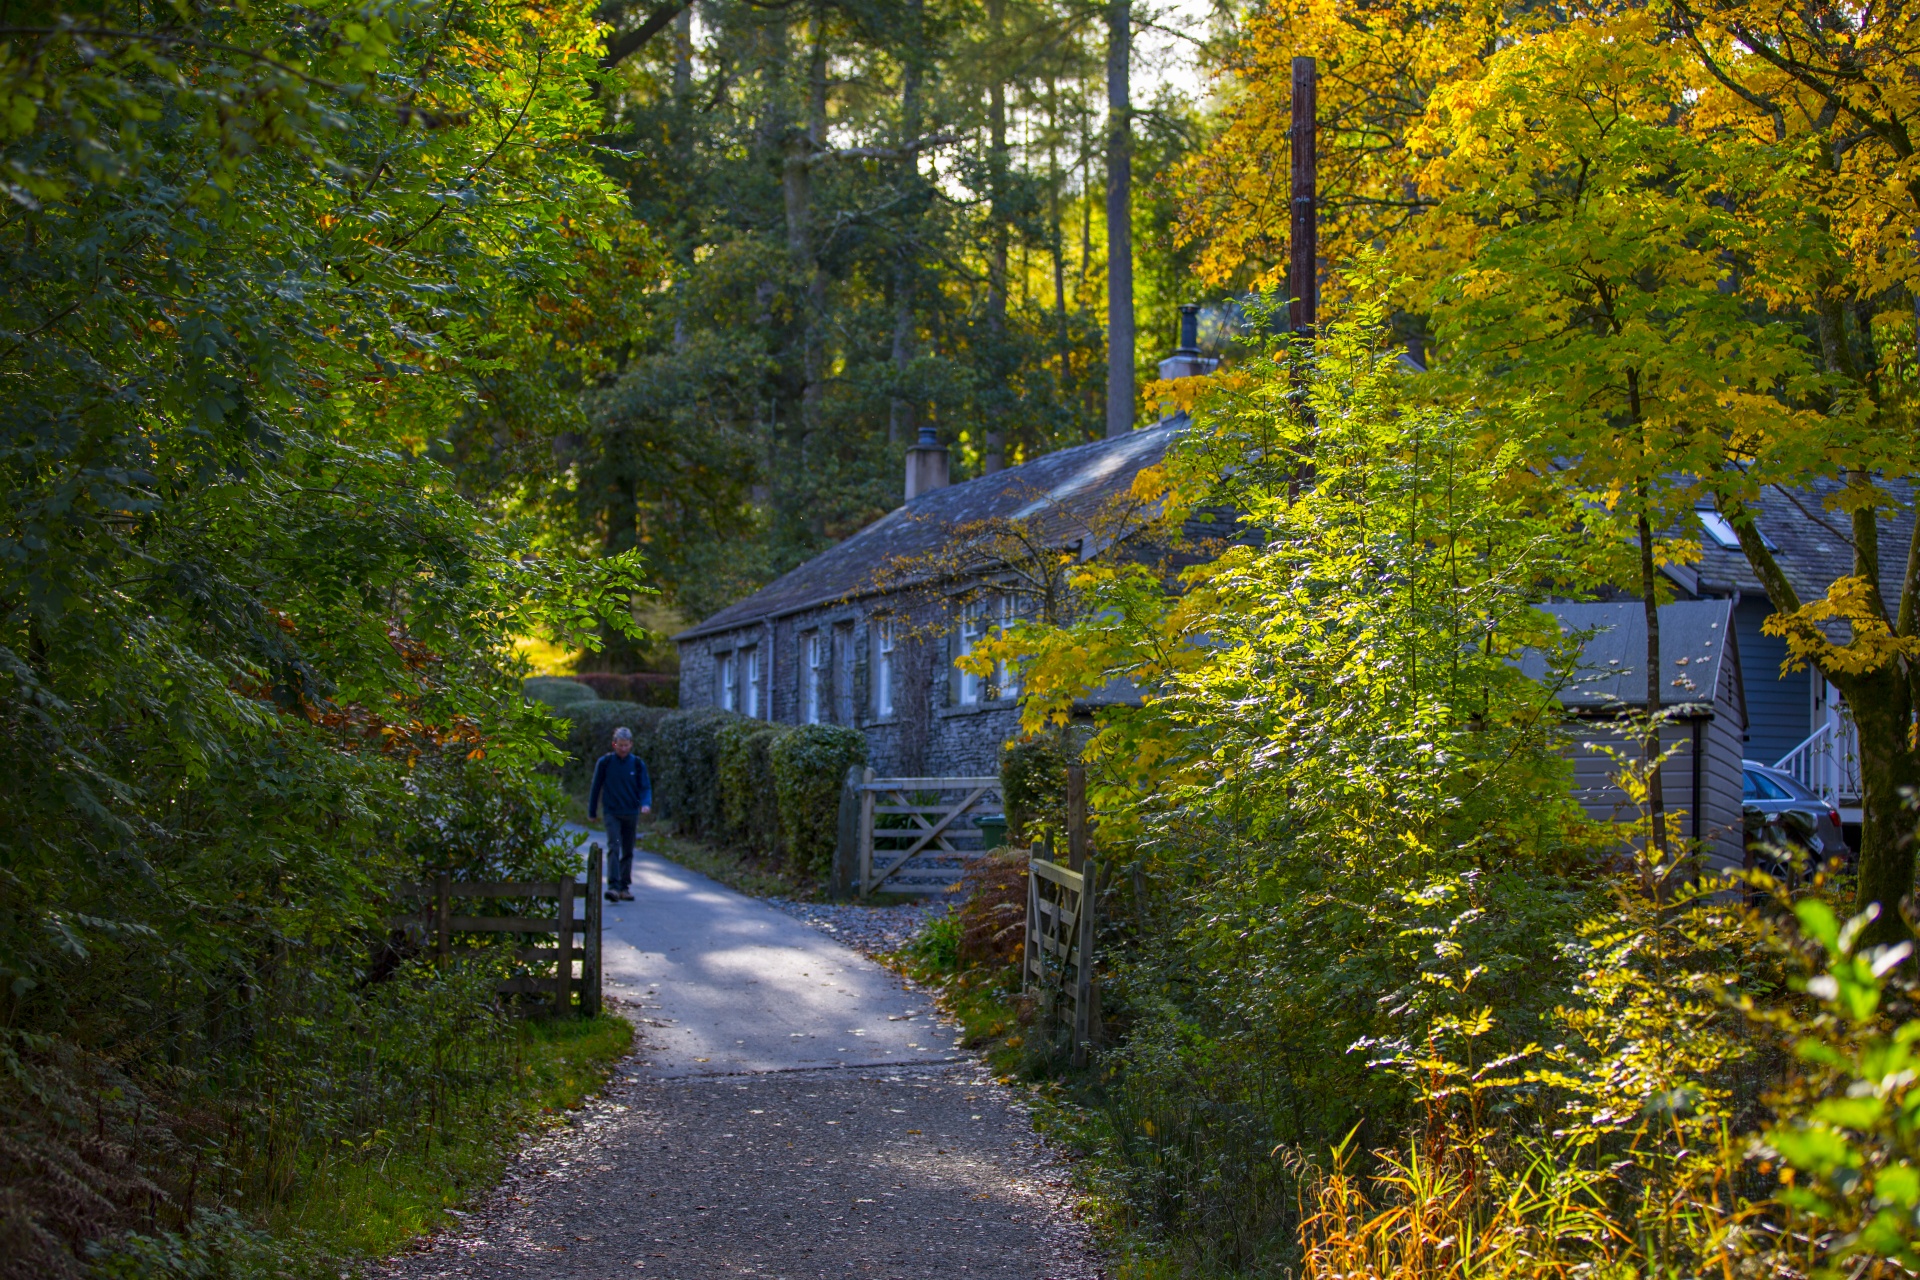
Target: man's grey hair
[623, 734]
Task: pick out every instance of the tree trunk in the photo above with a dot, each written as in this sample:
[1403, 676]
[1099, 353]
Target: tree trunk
[899, 409]
[1882, 710]
[798, 172]
[1119, 218]
[1650, 598]
[995, 437]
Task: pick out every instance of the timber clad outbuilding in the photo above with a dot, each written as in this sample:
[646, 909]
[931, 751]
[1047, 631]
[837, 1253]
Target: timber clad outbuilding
[1700, 688]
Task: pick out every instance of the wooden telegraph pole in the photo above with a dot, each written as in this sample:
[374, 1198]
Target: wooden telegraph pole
[1303, 250]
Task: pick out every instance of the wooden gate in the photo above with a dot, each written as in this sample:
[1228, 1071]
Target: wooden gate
[911, 835]
[436, 921]
[1059, 959]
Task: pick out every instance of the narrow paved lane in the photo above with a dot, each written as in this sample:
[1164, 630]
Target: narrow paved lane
[730, 985]
[794, 1110]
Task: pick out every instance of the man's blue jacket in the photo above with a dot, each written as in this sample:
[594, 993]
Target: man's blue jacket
[624, 783]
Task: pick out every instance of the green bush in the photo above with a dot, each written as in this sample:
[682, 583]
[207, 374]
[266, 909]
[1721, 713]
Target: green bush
[557, 691]
[589, 736]
[810, 765]
[1033, 784]
[750, 811]
[686, 773]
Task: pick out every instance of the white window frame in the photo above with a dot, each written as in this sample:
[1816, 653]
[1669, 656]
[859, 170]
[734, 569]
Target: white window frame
[973, 618]
[883, 670]
[752, 707]
[819, 653]
[727, 694]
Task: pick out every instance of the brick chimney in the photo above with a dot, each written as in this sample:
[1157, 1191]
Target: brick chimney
[926, 465]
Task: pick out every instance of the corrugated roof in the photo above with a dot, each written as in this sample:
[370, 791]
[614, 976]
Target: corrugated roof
[1056, 493]
[1696, 638]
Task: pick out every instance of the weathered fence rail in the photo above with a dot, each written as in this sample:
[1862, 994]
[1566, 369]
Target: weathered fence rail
[437, 924]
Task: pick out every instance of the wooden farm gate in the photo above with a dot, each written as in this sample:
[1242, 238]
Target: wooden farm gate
[553, 965]
[1062, 906]
[915, 834]
[1059, 953]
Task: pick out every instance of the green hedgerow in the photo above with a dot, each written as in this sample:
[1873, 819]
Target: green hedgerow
[748, 799]
[810, 765]
[685, 766]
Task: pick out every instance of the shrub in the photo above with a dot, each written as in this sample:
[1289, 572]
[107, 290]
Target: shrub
[590, 735]
[1033, 783]
[648, 688]
[557, 691]
[605, 684]
[810, 765]
[749, 808]
[654, 689]
[992, 915]
[686, 774]
[764, 828]
[735, 777]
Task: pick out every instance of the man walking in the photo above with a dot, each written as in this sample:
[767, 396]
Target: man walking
[621, 778]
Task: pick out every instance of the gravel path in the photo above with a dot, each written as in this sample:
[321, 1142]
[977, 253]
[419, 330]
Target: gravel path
[872, 931]
[724, 1146]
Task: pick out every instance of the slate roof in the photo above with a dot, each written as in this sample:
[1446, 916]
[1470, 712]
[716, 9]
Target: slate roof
[1055, 493]
[1813, 543]
[1696, 640]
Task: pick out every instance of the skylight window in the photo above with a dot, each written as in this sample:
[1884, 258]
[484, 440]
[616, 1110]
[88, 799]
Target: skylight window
[1722, 532]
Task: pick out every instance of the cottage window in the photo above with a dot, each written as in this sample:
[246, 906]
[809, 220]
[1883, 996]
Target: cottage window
[752, 699]
[725, 678]
[818, 655]
[1006, 675]
[843, 675]
[973, 624]
[883, 671]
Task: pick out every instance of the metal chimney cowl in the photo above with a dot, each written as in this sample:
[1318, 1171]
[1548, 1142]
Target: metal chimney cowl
[1186, 360]
[926, 465]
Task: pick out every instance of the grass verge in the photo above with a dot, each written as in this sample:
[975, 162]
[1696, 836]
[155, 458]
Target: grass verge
[369, 1203]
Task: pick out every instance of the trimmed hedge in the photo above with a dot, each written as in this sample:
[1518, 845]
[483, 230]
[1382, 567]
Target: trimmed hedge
[748, 794]
[557, 691]
[686, 773]
[810, 766]
[648, 688]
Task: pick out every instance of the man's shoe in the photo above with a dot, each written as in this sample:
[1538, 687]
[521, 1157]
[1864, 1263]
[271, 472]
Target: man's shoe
[613, 895]
[626, 895]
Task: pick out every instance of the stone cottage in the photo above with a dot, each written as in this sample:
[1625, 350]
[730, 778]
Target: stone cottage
[866, 633]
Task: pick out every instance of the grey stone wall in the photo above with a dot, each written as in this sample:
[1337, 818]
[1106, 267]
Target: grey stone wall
[925, 736]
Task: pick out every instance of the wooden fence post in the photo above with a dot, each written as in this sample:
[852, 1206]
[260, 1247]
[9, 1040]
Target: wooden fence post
[590, 967]
[1076, 817]
[1083, 970]
[563, 980]
[866, 830]
[442, 916]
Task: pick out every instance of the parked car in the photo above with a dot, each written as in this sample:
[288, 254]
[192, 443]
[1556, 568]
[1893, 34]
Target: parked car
[1782, 813]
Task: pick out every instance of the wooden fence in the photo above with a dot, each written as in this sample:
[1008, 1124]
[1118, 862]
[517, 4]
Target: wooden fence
[436, 923]
[911, 837]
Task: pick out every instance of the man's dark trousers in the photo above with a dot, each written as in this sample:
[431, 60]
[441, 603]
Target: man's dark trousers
[620, 827]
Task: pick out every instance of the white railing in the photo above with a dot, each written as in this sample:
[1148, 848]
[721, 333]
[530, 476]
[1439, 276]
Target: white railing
[1828, 762]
